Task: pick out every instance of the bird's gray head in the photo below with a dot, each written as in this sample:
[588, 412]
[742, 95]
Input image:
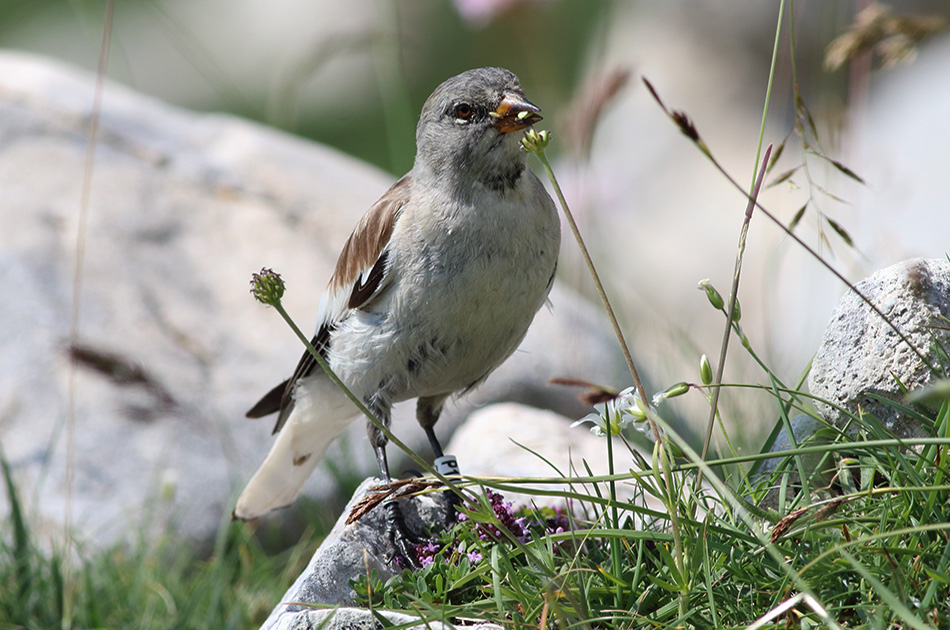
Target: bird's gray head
[465, 130]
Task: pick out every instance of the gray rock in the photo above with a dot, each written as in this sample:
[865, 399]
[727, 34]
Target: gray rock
[510, 440]
[861, 355]
[183, 207]
[360, 619]
[804, 427]
[351, 550]
[348, 552]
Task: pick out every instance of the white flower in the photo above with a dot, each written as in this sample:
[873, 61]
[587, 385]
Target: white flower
[617, 413]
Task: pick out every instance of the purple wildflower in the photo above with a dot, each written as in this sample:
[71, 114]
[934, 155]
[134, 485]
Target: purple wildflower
[426, 552]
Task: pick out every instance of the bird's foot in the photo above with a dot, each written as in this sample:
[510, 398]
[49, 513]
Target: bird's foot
[402, 539]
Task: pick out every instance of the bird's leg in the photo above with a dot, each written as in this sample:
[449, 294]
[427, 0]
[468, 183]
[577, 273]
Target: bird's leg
[376, 437]
[383, 463]
[403, 541]
[428, 411]
[433, 441]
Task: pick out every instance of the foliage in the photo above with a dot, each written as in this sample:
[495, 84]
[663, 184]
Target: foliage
[870, 549]
[143, 585]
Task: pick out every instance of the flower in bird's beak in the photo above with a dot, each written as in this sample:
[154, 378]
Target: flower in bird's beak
[514, 113]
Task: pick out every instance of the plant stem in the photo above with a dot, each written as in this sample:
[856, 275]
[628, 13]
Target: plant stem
[680, 119]
[672, 508]
[756, 185]
[730, 313]
[672, 504]
[615, 551]
[768, 87]
[69, 586]
[599, 286]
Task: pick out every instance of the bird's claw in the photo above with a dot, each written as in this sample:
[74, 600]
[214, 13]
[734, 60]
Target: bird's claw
[402, 539]
[452, 502]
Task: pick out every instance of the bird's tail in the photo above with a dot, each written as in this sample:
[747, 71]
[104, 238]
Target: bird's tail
[320, 413]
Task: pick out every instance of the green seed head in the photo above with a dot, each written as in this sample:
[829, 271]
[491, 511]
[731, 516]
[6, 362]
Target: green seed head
[267, 287]
[535, 141]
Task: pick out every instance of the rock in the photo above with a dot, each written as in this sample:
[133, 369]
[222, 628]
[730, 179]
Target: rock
[511, 440]
[488, 445]
[348, 552]
[803, 428]
[361, 619]
[861, 356]
[183, 207]
[351, 550]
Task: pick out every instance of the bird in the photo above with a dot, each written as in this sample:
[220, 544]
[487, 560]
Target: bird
[435, 287]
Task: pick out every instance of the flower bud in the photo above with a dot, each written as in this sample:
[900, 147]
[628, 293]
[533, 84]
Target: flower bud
[637, 412]
[267, 287]
[671, 392]
[711, 294]
[705, 370]
[535, 141]
[737, 313]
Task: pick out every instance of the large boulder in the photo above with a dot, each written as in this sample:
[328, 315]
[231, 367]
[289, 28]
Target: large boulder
[510, 440]
[146, 427]
[863, 364]
[863, 360]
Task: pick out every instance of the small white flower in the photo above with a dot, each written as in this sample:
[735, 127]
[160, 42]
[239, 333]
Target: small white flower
[617, 414]
[594, 419]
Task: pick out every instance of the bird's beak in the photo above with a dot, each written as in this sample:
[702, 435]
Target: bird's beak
[514, 113]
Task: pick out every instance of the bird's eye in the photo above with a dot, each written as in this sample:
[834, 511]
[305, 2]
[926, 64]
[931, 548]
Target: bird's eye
[463, 111]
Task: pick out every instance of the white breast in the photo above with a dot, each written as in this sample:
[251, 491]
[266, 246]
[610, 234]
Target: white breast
[468, 279]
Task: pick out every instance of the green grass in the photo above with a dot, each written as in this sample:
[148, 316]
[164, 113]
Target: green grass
[869, 550]
[167, 583]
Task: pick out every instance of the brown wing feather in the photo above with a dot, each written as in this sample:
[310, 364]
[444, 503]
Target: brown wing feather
[359, 273]
[357, 269]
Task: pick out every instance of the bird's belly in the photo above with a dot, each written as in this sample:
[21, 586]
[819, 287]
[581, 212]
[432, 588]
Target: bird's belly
[442, 336]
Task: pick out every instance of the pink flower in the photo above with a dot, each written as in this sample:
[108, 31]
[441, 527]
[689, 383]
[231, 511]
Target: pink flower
[481, 12]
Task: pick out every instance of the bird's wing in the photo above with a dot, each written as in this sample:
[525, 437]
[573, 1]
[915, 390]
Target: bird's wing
[361, 270]
[360, 276]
